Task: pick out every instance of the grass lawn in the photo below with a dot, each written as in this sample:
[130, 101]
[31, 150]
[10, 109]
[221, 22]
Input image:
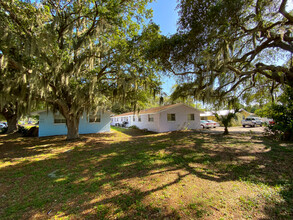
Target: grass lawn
[129, 174]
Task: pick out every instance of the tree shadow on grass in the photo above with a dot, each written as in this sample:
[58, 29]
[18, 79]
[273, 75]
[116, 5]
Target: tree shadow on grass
[81, 162]
[15, 146]
[98, 179]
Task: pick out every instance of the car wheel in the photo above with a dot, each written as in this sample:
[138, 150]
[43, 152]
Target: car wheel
[243, 126]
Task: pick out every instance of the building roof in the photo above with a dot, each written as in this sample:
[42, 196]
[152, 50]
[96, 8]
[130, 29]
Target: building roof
[154, 110]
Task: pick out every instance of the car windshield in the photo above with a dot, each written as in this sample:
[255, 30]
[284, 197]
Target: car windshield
[203, 121]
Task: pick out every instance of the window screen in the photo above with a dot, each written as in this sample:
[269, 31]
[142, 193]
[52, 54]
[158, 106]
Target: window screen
[150, 117]
[171, 117]
[95, 118]
[59, 119]
[190, 117]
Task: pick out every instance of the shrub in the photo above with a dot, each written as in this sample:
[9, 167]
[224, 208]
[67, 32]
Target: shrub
[282, 113]
[133, 127]
[22, 130]
[236, 121]
[32, 132]
[3, 130]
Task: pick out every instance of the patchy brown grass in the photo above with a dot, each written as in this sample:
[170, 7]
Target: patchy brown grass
[129, 174]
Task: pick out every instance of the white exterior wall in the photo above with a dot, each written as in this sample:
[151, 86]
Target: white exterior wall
[120, 120]
[130, 122]
[181, 122]
[145, 124]
[161, 124]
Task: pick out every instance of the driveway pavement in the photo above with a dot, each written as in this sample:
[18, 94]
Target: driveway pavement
[238, 129]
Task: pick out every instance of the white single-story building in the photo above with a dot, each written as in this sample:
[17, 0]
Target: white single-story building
[161, 119]
[55, 124]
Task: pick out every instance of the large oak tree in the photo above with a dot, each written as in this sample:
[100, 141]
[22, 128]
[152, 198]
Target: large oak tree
[15, 95]
[228, 48]
[85, 52]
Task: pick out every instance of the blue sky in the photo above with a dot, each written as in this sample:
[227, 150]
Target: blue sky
[166, 16]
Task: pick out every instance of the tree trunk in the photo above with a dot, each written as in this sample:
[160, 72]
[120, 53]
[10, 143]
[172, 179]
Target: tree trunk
[9, 112]
[72, 123]
[226, 131]
[12, 123]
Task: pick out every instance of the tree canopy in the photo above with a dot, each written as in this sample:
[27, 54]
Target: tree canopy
[85, 53]
[229, 48]
[15, 95]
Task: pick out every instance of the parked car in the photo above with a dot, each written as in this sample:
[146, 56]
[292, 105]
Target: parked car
[251, 121]
[117, 124]
[267, 121]
[205, 124]
[121, 124]
[3, 125]
[271, 122]
[214, 124]
[124, 124]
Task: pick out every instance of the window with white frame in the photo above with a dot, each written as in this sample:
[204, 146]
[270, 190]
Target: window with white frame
[190, 117]
[139, 118]
[133, 118]
[171, 117]
[151, 117]
[95, 118]
[59, 119]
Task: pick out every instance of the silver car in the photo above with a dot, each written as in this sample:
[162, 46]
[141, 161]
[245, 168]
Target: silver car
[214, 124]
[205, 124]
[252, 122]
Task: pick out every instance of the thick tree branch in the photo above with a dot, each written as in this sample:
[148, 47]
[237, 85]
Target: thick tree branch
[283, 11]
[236, 84]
